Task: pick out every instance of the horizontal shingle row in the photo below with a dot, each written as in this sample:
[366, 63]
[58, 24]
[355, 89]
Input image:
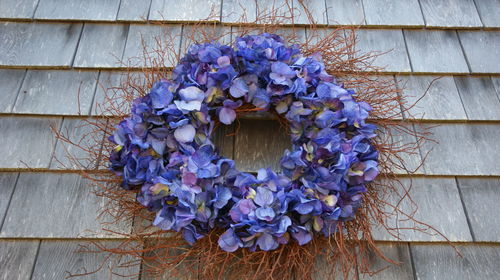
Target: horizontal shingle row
[418, 13]
[63, 45]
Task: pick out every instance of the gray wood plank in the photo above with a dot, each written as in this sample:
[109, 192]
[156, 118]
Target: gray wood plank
[55, 205]
[134, 10]
[109, 54]
[397, 252]
[441, 102]
[341, 12]
[259, 144]
[482, 49]
[188, 10]
[29, 140]
[480, 197]
[479, 97]
[108, 95]
[38, 44]
[399, 13]
[45, 92]
[150, 38]
[17, 258]
[463, 149]
[67, 156]
[57, 259]
[19, 9]
[316, 9]
[450, 13]
[101, 10]
[10, 83]
[496, 83]
[280, 10]
[435, 51]
[381, 41]
[239, 11]
[437, 203]
[488, 12]
[442, 261]
[7, 183]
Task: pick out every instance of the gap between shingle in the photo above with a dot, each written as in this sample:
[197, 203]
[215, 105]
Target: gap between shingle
[465, 210]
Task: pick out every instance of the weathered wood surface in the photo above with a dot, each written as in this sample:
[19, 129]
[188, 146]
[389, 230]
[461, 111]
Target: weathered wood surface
[57, 259]
[443, 261]
[482, 50]
[28, 141]
[463, 149]
[393, 13]
[267, 9]
[93, 10]
[55, 205]
[435, 51]
[56, 92]
[134, 10]
[390, 43]
[38, 44]
[10, 83]
[315, 9]
[111, 41]
[440, 102]
[17, 258]
[7, 183]
[488, 12]
[188, 10]
[480, 197]
[397, 252]
[479, 97]
[239, 11]
[342, 12]
[450, 13]
[19, 9]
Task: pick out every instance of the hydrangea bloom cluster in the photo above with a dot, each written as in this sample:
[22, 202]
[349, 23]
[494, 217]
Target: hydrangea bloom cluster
[164, 147]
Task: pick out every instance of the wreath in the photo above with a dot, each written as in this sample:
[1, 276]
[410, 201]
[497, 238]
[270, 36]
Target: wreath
[164, 147]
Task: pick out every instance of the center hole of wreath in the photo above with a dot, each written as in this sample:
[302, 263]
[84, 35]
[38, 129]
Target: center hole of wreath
[257, 143]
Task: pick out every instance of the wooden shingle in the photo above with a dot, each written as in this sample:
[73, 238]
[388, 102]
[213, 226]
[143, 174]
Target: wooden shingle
[397, 252]
[17, 9]
[450, 13]
[464, 149]
[443, 261]
[134, 10]
[398, 13]
[342, 12]
[239, 11]
[435, 51]
[314, 8]
[480, 197]
[56, 92]
[7, 183]
[10, 83]
[441, 102]
[17, 258]
[488, 12]
[55, 205]
[97, 10]
[108, 96]
[280, 10]
[111, 41]
[188, 10]
[29, 140]
[38, 44]
[482, 49]
[479, 97]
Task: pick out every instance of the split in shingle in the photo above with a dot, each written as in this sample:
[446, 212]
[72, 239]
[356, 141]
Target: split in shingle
[39, 198]
[134, 10]
[341, 12]
[148, 42]
[388, 12]
[239, 11]
[10, 83]
[440, 102]
[59, 259]
[101, 46]
[386, 271]
[97, 10]
[465, 149]
[443, 261]
[187, 10]
[7, 183]
[482, 49]
[435, 51]
[56, 92]
[17, 258]
[480, 197]
[38, 44]
[389, 43]
[450, 13]
[17, 9]
[479, 97]
[29, 141]
[488, 12]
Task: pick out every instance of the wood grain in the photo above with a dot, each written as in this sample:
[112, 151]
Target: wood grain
[17, 258]
[479, 97]
[18, 9]
[7, 183]
[482, 50]
[393, 13]
[97, 10]
[10, 83]
[188, 10]
[134, 10]
[450, 13]
[342, 12]
[397, 252]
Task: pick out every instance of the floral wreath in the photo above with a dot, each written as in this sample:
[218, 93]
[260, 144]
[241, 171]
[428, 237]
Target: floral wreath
[164, 147]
